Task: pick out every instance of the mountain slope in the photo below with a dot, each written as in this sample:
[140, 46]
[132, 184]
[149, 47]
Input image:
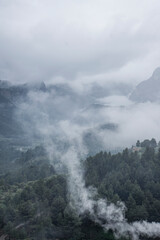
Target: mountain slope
[10, 95]
[148, 90]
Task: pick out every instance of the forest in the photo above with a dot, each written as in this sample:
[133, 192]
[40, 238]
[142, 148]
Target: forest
[34, 199]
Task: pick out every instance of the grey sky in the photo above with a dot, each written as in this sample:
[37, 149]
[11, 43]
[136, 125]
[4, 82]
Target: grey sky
[80, 41]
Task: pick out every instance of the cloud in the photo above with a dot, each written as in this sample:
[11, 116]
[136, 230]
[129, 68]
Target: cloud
[62, 116]
[46, 40]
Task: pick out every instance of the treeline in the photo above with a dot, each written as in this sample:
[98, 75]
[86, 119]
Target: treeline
[129, 177]
[148, 143]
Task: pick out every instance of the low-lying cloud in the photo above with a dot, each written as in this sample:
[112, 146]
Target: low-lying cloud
[50, 114]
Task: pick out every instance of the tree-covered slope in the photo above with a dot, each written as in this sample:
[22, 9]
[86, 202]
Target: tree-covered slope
[35, 201]
[131, 177]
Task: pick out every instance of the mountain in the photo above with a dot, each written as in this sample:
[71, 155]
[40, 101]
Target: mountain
[10, 96]
[148, 90]
[21, 104]
[109, 89]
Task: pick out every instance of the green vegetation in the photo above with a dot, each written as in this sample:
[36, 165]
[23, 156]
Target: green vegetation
[129, 177]
[34, 201]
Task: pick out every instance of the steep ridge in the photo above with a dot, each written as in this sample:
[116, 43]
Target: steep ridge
[148, 90]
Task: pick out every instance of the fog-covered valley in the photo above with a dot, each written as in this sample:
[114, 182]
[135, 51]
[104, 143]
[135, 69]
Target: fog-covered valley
[103, 117]
[69, 126]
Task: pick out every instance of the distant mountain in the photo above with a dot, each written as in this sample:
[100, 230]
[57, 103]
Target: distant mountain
[10, 95]
[4, 83]
[109, 89]
[148, 90]
[61, 103]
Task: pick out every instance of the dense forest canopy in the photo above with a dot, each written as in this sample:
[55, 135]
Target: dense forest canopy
[35, 202]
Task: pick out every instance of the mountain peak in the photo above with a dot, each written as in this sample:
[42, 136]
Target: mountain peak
[4, 84]
[148, 90]
[156, 74]
[35, 86]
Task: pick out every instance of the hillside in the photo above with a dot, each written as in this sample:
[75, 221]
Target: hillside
[10, 97]
[148, 90]
[35, 202]
[129, 177]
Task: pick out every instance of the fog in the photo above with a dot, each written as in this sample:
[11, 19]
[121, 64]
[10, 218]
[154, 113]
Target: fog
[114, 122]
[91, 54]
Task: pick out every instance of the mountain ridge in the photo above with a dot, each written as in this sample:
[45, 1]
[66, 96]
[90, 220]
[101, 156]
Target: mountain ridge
[148, 90]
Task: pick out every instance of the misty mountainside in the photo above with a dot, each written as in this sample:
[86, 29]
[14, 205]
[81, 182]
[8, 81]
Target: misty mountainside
[35, 200]
[63, 171]
[10, 96]
[148, 90]
[24, 106]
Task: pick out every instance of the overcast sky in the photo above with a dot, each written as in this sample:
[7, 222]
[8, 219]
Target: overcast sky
[80, 41]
